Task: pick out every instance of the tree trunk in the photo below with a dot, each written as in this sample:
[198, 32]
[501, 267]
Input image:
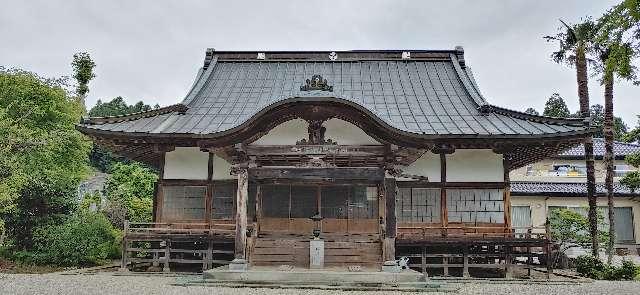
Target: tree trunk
[583, 95]
[608, 158]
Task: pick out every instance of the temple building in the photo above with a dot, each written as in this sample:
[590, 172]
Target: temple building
[377, 153]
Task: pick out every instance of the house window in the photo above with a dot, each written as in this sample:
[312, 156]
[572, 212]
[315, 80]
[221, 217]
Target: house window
[622, 170]
[623, 220]
[568, 170]
[521, 218]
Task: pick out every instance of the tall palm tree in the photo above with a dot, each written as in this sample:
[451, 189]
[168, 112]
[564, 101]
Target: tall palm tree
[618, 43]
[608, 153]
[575, 43]
[615, 60]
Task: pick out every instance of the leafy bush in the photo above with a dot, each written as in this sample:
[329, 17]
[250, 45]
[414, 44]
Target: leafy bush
[85, 238]
[591, 267]
[627, 271]
[570, 227]
[132, 185]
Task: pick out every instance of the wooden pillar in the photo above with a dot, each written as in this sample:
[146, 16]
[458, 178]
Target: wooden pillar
[423, 260]
[507, 196]
[389, 243]
[167, 256]
[125, 246]
[444, 214]
[508, 268]
[549, 252]
[158, 201]
[241, 214]
[445, 263]
[208, 203]
[465, 261]
[258, 215]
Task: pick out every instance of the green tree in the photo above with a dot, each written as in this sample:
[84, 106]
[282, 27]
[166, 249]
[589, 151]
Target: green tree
[132, 185]
[118, 107]
[632, 179]
[556, 107]
[632, 135]
[575, 44]
[532, 111]
[620, 129]
[101, 158]
[82, 66]
[617, 44]
[42, 156]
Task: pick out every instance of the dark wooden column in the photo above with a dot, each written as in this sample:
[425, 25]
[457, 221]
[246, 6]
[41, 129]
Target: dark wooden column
[389, 243]
[507, 195]
[208, 203]
[241, 213]
[444, 214]
[159, 196]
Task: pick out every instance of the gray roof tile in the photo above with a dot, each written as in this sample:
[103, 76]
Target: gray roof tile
[418, 96]
[578, 189]
[620, 149]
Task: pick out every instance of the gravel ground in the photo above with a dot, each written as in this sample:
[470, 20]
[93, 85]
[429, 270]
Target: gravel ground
[106, 283]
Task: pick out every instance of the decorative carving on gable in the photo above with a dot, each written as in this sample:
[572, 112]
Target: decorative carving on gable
[316, 134]
[316, 83]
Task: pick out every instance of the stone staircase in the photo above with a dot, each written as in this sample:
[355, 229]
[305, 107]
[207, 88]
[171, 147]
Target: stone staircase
[341, 250]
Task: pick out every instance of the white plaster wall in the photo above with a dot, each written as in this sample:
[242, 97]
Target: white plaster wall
[285, 134]
[540, 205]
[221, 169]
[474, 165]
[186, 163]
[345, 133]
[427, 165]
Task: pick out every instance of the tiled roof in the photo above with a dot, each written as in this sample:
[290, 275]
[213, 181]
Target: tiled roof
[429, 96]
[620, 149]
[527, 188]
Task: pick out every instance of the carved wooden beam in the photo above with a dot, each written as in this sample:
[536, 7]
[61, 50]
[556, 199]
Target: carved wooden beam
[339, 150]
[304, 173]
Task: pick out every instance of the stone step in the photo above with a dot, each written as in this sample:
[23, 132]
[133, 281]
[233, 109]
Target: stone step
[407, 280]
[401, 287]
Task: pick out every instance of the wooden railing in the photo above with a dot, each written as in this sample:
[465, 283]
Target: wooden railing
[179, 228]
[463, 231]
[161, 243]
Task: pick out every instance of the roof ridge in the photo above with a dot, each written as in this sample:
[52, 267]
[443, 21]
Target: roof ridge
[179, 108]
[618, 142]
[541, 119]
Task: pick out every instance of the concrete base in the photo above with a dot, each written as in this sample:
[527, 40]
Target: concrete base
[313, 276]
[238, 264]
[269, 277]
[391, 266]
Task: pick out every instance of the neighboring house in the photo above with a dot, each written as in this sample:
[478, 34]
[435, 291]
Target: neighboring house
[380, 153]
[560, 182]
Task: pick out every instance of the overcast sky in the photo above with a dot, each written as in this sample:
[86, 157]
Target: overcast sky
[151, 50]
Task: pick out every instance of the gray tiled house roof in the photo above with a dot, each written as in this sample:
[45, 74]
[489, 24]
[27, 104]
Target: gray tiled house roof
[530, 188]
[620, 149]
[431, 96]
